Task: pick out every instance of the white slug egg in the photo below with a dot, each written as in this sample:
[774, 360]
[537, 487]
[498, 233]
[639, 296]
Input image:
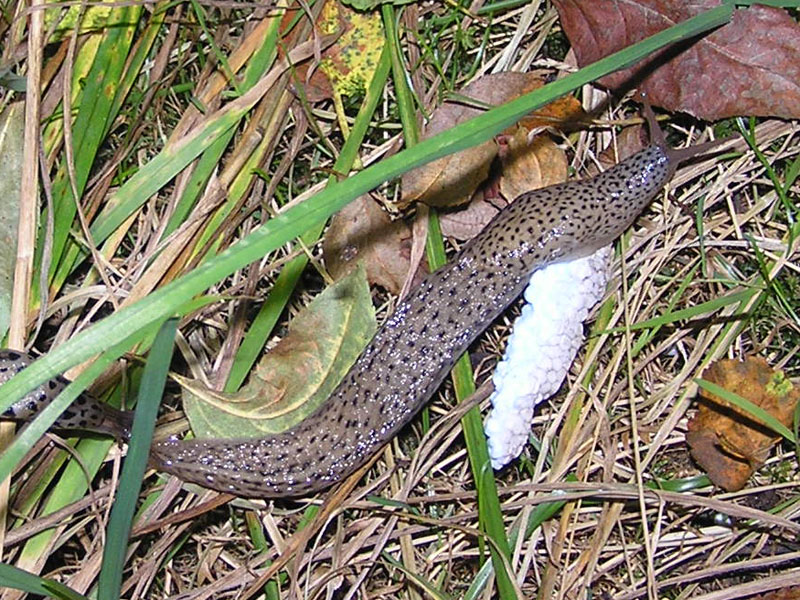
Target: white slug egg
[545, 339]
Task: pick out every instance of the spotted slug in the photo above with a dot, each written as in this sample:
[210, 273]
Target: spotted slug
[419, 343]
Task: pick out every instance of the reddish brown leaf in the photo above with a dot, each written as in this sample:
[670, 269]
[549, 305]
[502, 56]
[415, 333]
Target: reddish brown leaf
[362, 231]
[751, 66]
[724, 439]
[728, 472]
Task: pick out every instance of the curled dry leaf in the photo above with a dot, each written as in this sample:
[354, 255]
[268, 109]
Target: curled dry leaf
[530, 164]
[298, 374]
[362, 233]
[725, 439]
[451, 180]
[751, 66]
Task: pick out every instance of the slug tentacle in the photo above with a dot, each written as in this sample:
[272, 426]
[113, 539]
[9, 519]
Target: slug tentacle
[417, 346]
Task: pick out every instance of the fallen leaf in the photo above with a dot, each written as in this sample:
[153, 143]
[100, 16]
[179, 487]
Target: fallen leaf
[725, 439]
[350, 62]
[315, 88]
[298, 374]
[751, 66]
[451, 180]
[464, 223]
[364, 233]
[530, 164]
[346, 66]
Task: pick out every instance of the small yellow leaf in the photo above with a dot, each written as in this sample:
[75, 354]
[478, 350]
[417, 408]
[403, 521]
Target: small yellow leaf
[351, 61]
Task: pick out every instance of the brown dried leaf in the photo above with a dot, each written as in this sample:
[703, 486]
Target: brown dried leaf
[723, 438]
[726, 471]
[451, 180]
[531, 164]
[465, 223]
[315, 88]
[751, 66]
[362, 231]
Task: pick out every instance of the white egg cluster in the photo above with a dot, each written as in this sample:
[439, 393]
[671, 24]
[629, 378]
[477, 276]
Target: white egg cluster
[542, 346]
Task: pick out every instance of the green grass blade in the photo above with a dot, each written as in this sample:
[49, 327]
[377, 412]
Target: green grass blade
[12, 577]
[749, 134]
[539, 515]
[138, 57]
[405, 102]
[649, 335]
[257, 65]
[98, 94]
[687, 313]
[119, 526]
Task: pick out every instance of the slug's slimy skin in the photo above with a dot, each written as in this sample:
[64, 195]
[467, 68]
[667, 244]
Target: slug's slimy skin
[84, 413]
[417, 346]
